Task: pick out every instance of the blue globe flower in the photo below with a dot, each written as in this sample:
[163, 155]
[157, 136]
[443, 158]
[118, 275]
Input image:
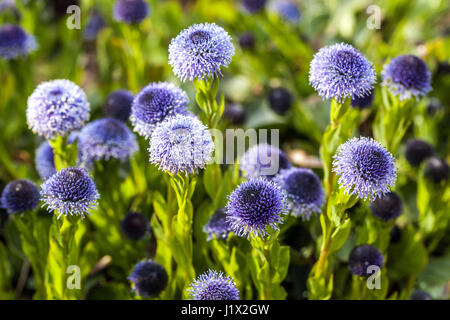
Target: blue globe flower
[105, 139]
[135, 225]
[149, 279]
[118, 105]
[154, 103]
[362, 257]
[388, 206]
[365, 167]
[407, 76]
[15, 42]
[253, 6]
[94, 25]
[213, 285]
[304, 191]
[71, 191]
[263, 160]
[254, 206]
[416, 151]
[20, 195]
[364, 101]
[199, 52]
[181, 144]
[287, 9]
[56, 108]
[340, 71]
[218, 225]
[130, 11]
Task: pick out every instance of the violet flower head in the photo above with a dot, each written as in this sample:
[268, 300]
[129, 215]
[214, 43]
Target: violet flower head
[407, 76]
[213, 285]
[154, 103]
[218, 225]
[200, 51]
[417, 151]
[263, 160]
[118, 105]
[56, 108]
[340, 71]
[93, 27]
[15, 42]
[364, 101]
[365, 167]
[130, 11]
[254, 206]
[149, 279]
[287, 9]
[181, 144]
[45, 160]
[135, 225]
[71, 191]
[388, 206]
[304, 191]
[105, 139]
[362, 258]
[253, 6]
[20, 195]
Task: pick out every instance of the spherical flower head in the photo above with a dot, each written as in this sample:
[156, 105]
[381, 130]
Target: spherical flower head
[263, 160]
[45, 160]
[363, 102]
[420, 295]
[234, 113]
[20, 195]
[154, 103]
[254, 206]
[407, 76]
[71, 191]
[340, 71]
[365, 167]
[304, 191]
[15, 42]
[280, 100]
[106, 139]
[131, 11]
[118, 105]
[135, 225]
[56, 108]
[95, 24]
[416, 151]
[199, 52]
[213, 285]
[247, 40]
[436, 170]
[181, 144]
[218, 225]
[149, 279]
[388, 206]
[362, 257]
[253, 6]
[287, 9]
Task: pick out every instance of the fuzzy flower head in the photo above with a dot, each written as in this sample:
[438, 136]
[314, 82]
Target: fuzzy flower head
[20, 195]
[388, 206]
[287, 9]
[218, 225]
[130, 11]
[45, 160]
[149, 279]
[154, 103]
[213, 285]
[56, 108]
[118, 105]
[106, 139]
[363, 102]
[199, 52]
[254, 206]
[15, 42]
[304, 191]
[365, 167]
[407, 76]
[135, 225]
[253, 6]
[70, 191]
[340, 71]
[263, 160]
[362, 258]
[93, 27]
[181, 144]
